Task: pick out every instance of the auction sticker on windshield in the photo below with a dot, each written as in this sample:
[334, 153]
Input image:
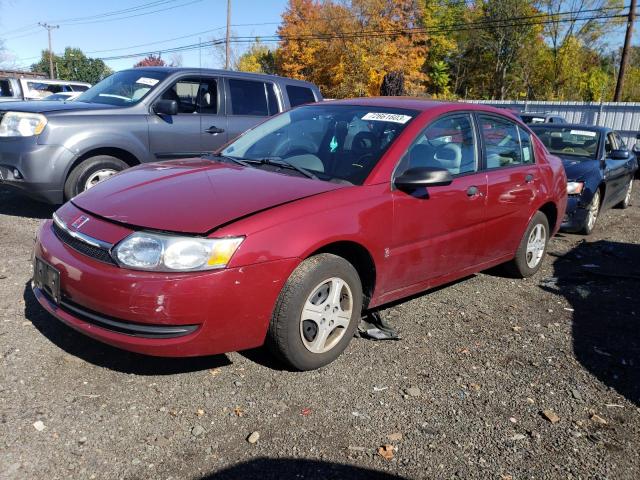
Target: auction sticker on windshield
[387, 117]
[147, 81]
[585, 133]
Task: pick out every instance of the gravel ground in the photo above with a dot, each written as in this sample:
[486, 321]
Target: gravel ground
[460, 396]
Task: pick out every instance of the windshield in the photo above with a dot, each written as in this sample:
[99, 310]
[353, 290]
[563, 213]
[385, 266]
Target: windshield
[123, 88]
[569, 141]
[333, 142]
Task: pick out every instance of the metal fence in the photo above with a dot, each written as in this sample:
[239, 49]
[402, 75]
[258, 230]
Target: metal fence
[622, 117]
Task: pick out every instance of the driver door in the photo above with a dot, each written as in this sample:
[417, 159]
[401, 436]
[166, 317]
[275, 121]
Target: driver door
[440, 231]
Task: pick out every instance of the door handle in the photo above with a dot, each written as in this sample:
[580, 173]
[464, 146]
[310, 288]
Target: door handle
[473, 191]
[213, 130]
[528, 178]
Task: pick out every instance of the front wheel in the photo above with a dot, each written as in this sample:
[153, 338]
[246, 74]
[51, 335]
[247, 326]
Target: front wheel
[317, 312]
[532, 248]
[90, 172]
[593, 211]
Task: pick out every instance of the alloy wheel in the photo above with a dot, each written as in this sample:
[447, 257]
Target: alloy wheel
[592, 212]
[99, 176]
[536, 244]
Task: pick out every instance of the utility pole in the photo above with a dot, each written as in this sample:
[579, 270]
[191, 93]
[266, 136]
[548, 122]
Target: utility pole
[624, 59]
[49, 28]
[226, 56]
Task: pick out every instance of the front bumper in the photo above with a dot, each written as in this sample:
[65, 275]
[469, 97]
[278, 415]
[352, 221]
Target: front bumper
[41, 168]
[575, 217]
[221, 311]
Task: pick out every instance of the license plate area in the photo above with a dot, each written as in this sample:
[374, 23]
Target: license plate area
[46, 278]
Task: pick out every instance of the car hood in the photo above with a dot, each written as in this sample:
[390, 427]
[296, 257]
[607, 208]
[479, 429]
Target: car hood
[578, 169]
[44, 106]
[193, 196]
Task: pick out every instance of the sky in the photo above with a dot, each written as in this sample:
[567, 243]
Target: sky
[108, 34]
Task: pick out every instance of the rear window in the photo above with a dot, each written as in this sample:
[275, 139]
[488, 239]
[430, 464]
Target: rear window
[252, 98]
[532, 119]
[5, 88]
[299, 95]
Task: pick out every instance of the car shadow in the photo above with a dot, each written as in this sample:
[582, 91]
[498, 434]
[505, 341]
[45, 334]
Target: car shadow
[16, 204]
[291, 468]
[601, 281]
[106, 356]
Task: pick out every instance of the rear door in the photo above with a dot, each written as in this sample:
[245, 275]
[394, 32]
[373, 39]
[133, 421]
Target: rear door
[513, 183]
[439, 231]
[249, 102]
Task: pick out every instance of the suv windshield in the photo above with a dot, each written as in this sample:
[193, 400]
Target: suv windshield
[332, 142]
[569, 141]
[123, 88]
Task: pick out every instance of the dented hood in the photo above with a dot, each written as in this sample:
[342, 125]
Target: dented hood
[193, 196]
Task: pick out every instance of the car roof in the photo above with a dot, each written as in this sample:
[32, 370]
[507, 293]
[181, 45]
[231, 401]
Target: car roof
[576, 126]
[419, 103]
[214, 71]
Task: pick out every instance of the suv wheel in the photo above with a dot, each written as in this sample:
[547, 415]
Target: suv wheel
[91, 172]
[317, 312]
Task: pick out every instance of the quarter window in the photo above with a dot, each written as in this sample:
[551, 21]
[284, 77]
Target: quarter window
[299, 95]
[447, 143]
[253, 98]
[505, 143]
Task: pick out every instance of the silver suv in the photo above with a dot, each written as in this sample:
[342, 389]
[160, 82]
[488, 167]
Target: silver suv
[56, 150]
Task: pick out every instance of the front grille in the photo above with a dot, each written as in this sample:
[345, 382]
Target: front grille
[78, 245]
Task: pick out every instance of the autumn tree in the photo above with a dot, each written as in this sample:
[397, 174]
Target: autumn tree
[151, 61]
[258, 59]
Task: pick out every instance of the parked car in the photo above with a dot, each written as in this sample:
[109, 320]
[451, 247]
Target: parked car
[18, 89]
[599, 166]
[55, 150]
[531, 118]
[291, 230]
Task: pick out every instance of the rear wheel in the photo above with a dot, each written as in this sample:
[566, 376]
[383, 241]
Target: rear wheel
[593, 210]
[317, 312]
[532, 248]
[626, 203]
[90, 172]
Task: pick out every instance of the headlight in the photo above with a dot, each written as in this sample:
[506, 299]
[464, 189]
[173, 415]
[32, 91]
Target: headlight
[22, 124]
[575, 188]
[166, 253]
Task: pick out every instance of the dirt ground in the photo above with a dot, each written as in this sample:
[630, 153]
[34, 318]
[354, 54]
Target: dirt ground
[460, 396]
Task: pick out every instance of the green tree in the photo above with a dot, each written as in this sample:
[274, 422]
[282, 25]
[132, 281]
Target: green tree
[257, 59]
[73, 65]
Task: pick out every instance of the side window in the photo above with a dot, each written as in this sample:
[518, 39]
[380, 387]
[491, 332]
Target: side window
[185, 92]
[501, 142]
[5, 88]
[447, 143]
[299, 95]
[208, 97]
[249, 97]
[609, 143]
[526, 146]
[619, 141]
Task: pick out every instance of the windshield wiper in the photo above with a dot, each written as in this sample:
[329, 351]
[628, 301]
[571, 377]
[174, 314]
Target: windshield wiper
[279, 162]
[233, 159]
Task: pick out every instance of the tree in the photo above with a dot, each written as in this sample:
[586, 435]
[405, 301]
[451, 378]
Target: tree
[151, 61]
[258, 59]
[73, 65]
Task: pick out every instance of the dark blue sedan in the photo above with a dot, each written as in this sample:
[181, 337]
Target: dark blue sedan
[600, 170]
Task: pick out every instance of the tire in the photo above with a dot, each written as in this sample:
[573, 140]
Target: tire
[593, 212]
[297, 340]
[626, 203]
[527, 262]
[88, 170]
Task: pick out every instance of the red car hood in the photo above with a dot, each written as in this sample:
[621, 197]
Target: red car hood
[193, 196]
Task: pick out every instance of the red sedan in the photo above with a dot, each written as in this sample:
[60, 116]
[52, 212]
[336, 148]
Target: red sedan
[288, 233]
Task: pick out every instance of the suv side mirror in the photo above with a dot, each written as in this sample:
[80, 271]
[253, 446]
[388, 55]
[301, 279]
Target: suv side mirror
[166, 107]
[422, 177]
[619, 154]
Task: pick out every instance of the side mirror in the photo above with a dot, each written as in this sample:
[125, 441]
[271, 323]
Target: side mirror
[619, 154]
[637, 136]
[166, 107]
[422, 177]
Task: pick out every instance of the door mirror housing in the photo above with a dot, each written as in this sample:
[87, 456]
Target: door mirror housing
[166, 107]
[422, 177]
[619, 154]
